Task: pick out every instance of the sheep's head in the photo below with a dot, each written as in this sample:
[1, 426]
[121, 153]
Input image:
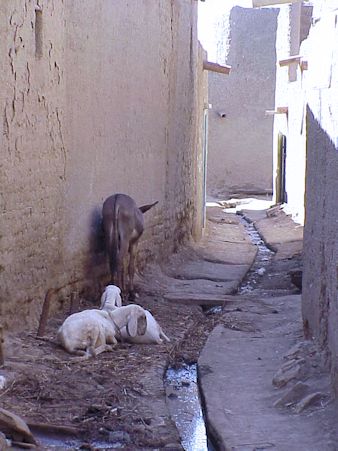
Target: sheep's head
[137, 321]
[113, 294]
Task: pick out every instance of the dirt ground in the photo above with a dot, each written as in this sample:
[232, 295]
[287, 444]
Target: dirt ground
[116, 398]
[113, 392]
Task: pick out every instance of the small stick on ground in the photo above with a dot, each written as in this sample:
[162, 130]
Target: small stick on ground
[44, 313]
[2, 357]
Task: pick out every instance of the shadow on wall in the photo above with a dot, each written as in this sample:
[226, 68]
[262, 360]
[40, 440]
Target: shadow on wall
[96, 266]
[319, 299]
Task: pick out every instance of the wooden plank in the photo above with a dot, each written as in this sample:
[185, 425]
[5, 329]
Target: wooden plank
[203, 299]
[291, 60]
[260, 3]
[278, 110]
[49, 429]
[214, 67]
[282, 110]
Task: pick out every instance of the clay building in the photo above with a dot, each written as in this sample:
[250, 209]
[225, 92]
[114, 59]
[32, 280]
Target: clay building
[306, 155]
[240, 133]
[95, 98]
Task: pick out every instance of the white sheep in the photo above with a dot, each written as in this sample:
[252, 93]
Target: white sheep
[153, 335]
[111, 298]
[90, 332]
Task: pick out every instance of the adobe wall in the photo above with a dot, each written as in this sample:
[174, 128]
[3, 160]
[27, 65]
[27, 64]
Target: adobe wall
[290, 93]
[103, 99]
[311, 127]
[320, 295]
[240, 144]
[33, 156]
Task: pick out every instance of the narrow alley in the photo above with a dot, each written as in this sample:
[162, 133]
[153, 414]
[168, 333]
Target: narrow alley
[254, 367]
[169, 225]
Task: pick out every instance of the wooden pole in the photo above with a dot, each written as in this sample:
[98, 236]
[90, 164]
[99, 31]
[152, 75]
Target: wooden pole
[44, 313]
[291, 60]
[2, 357]
[214, 67]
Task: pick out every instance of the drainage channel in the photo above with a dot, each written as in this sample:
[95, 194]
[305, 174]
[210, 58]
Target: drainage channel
[262, 261]
[185, 407]
[181, 384]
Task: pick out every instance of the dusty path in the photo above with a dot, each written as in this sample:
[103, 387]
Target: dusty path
[264, 386]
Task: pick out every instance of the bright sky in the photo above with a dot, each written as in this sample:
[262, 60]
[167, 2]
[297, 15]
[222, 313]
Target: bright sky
[208, 13]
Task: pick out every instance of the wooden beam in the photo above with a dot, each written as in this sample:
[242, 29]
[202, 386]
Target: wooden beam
[290, 60]
[2, 357]
[45, 312]
[209, 300]
[278, 110]
[214, 67]
[260, 3]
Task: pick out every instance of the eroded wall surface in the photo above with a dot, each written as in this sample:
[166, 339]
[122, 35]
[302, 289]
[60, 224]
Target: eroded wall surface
[96, 98]
[320, 296]
[311, 130]
[240, 134]
[33, 153]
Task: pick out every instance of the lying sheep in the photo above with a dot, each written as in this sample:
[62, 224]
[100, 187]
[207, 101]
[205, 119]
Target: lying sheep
[111, 298]
[153, 335]
[90, 332]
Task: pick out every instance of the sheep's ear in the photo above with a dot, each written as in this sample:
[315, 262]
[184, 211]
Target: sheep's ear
[132, 325]
[141, 325]
[118, 301]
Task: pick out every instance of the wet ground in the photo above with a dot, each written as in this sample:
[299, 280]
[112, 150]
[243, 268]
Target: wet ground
[183, 393]
[185, 407]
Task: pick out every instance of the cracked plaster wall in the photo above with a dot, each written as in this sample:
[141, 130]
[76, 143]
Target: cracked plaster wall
[33, 154]
[320, 295]
[311, 127]
[102, 99]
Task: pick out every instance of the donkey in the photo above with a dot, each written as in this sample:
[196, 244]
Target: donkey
[123, 225]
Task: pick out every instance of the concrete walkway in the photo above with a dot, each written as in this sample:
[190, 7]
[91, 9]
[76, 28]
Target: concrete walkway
[262, 386]
[203, 273]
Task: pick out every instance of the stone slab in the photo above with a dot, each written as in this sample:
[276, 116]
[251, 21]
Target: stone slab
[235, 372]
[202, 269]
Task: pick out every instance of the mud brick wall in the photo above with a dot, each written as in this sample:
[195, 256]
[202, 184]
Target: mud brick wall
[33, 154]
[320, 295]
[95, 98]
[239, 146]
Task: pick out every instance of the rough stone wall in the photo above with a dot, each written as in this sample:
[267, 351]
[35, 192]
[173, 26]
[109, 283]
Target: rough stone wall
[240, 143]
[96, 98]
[320, 295]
